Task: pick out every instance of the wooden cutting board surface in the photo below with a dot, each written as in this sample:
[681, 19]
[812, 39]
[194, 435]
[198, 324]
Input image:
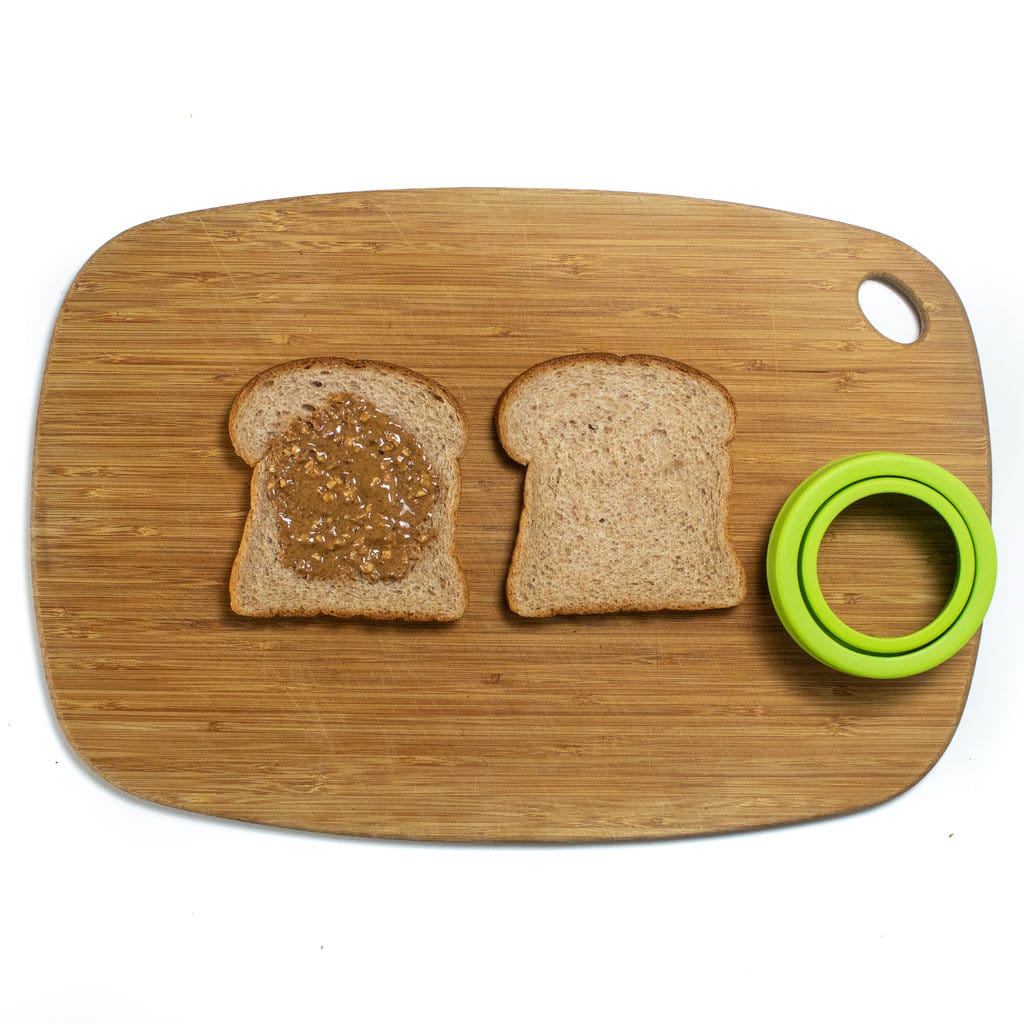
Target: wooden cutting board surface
[493, 727]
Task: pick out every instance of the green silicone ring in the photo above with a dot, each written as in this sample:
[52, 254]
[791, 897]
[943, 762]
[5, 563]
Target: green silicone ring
[787, 584]
[824, 518]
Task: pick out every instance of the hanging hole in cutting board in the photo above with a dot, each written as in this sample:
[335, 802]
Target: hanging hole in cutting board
[890, 310]
[887, 565]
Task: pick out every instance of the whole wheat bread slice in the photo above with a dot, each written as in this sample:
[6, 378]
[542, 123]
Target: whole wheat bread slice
[261, 584]
[624, 501]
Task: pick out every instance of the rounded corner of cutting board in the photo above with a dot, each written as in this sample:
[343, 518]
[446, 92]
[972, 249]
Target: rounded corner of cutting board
[90, 761]
[598, 728]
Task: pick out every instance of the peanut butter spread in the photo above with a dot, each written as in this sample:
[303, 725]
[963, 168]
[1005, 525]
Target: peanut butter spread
[352, 491]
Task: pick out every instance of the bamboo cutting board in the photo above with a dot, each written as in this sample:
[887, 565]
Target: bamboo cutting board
[493, 727]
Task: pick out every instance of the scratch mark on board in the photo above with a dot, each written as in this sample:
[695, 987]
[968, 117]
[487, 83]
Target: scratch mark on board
[226, 268]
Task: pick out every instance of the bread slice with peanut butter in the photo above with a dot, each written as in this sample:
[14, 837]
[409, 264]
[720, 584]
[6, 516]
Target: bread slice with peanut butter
[627, 479]
[354, 493]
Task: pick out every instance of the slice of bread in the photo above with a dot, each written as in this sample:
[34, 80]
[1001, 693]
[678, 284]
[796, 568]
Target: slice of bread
[280, 399]
[624, 501]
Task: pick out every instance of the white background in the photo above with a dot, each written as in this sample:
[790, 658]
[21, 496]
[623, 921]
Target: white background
[904, 118]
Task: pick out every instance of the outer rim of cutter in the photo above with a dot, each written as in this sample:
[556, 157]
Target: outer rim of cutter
[789, 564]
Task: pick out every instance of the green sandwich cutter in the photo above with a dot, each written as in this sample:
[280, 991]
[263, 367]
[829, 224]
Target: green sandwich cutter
[793, 565]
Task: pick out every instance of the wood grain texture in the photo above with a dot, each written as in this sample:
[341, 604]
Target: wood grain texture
[493, 727]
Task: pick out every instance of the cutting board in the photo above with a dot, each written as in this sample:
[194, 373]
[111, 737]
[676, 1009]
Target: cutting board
[493, 727]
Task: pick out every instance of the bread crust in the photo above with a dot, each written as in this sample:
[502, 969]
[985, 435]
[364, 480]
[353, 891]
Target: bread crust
[505, 435]
[611, 358]
[309, 605]
[272, 373]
